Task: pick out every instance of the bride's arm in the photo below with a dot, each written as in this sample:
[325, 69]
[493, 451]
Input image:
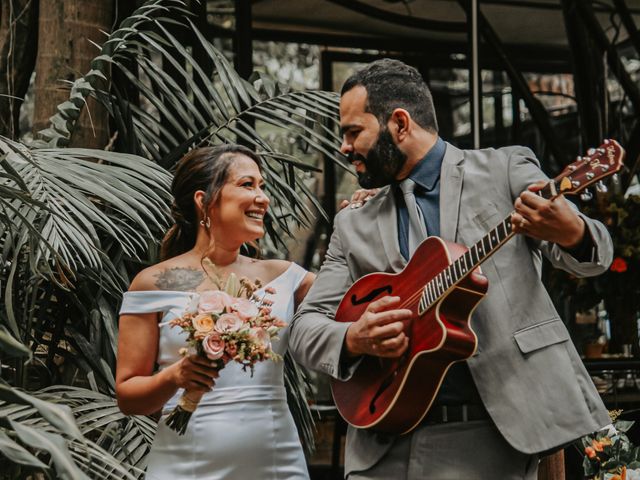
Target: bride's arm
[141, 392]
[303, 288]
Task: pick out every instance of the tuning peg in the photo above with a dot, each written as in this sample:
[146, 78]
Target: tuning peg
[601, 187]
[586, 195]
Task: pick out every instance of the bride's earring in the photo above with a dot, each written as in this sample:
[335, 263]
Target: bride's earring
[206, 222]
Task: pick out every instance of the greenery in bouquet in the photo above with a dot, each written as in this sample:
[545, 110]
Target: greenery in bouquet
[232, 323]
[608, 453]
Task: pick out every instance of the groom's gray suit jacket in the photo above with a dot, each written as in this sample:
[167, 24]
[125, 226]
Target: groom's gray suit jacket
[528, 373]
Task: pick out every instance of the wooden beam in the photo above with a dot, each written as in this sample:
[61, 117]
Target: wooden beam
[243, 39]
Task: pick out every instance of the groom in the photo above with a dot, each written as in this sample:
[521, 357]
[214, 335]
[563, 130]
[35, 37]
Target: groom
[525, 391]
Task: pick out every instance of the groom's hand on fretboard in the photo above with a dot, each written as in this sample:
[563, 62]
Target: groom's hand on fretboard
[551, 220]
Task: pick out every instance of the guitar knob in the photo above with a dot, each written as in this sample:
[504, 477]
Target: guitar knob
[586, 195]
[601, 187]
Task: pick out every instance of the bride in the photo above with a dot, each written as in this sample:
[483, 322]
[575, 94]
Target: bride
[242, 427]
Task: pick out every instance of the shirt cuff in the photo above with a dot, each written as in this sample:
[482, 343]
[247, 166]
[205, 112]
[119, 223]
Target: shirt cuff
[585, 251]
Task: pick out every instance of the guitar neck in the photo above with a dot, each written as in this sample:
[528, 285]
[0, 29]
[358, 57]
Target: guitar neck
[460, 268]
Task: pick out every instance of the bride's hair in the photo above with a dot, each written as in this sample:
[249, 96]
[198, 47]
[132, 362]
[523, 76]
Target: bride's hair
[205, 169]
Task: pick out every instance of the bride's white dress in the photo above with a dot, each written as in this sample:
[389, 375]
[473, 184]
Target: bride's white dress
[242, 429]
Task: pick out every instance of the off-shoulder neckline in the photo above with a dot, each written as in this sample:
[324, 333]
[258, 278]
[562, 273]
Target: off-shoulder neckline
[191, 292]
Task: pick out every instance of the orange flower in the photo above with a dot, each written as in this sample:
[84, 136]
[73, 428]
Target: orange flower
[619, 265]
[597, 446]
[605, 441]
[590, 452]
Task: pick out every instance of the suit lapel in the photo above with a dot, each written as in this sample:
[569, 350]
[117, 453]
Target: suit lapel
[388, 226]
[452, 174]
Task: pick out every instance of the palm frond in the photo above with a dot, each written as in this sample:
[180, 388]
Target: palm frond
[298, 394]
[106, 444]
[169, 113]
[69, 201]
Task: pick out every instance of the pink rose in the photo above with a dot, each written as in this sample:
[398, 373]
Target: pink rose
[229, 322]
[203, 323]
[261, 337]
[214, 301]
[245, 308]
[213, 346]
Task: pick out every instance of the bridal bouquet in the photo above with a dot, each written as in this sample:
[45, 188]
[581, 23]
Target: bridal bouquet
[231, 324]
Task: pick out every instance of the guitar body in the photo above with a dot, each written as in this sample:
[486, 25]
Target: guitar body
[394, 395]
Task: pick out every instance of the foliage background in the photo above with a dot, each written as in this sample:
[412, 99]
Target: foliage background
[76, 224]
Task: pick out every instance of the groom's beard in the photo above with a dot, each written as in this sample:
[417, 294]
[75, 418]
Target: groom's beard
[382, 163]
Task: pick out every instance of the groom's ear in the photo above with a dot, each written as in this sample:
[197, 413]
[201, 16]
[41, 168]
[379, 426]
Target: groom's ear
[399, 124]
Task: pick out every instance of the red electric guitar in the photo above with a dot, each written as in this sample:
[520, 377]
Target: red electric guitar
[442, 285]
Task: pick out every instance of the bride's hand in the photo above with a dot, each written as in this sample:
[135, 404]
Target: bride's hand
[194, 373]
[359, 198]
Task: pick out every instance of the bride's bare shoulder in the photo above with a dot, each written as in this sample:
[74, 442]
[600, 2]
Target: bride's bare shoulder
[271, 269]
[176, 274]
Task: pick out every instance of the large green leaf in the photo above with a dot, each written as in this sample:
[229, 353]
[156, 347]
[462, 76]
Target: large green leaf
[17, 453]
[55, 445]
[111, 445]
[57, 415]
[70, 200]
[10, 346]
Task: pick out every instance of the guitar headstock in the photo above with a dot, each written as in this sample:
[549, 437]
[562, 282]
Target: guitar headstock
[597, 164]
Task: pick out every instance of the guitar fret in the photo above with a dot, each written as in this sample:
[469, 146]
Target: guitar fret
[474, 255]
[487, 244]
[502, 233]
[422, 306]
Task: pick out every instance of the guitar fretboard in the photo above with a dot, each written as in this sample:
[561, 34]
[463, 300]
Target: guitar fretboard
[439, 285]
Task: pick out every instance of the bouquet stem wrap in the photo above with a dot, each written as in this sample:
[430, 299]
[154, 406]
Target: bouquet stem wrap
[179, 417]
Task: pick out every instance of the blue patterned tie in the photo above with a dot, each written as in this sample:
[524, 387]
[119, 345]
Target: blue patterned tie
[417, 230]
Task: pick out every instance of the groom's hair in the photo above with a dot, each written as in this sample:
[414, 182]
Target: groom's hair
[392, 84]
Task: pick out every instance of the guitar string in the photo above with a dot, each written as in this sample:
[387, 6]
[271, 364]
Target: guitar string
[411, 299]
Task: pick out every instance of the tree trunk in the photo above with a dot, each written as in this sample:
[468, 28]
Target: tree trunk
[66, 29]
[552, 467]
[18, 43]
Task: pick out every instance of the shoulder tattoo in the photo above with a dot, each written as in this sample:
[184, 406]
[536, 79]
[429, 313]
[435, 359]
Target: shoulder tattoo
[181, 279]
